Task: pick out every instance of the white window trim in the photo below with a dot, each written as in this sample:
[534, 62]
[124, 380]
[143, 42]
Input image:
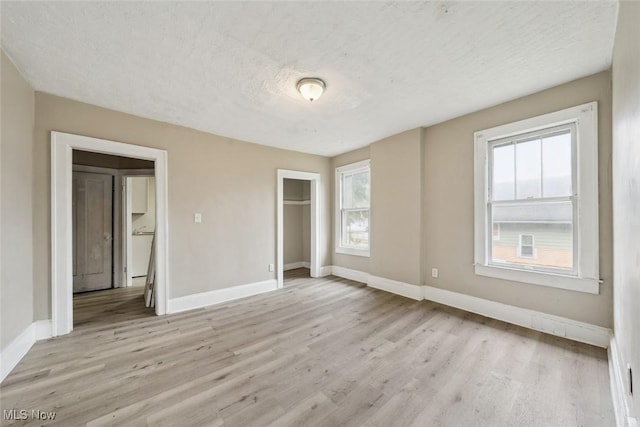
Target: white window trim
[587, 280]
[352, 167]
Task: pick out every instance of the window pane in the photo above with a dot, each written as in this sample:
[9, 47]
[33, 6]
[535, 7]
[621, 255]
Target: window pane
[503, 184]
[534, 235]
[528, 169]
[556, 165]
[355, 228]
[526, 251]
[355, 190]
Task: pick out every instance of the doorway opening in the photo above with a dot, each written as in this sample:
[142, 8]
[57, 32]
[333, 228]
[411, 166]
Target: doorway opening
[101, 230]
[296, 227]
[88, 217]
[295, 191]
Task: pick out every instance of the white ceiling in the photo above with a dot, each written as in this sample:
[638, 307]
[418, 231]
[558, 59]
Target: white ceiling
[231, 68]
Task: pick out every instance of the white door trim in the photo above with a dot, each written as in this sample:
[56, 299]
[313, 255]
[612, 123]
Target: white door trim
[62, 146]
[314, 208]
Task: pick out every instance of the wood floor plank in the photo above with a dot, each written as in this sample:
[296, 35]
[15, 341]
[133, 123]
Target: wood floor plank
[320, 352]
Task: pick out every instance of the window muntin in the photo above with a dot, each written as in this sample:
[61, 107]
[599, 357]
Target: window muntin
[354, 195]
[530, 193]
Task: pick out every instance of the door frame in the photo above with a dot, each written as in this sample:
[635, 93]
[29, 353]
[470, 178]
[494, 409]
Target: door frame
[314, 210]
[62, 146]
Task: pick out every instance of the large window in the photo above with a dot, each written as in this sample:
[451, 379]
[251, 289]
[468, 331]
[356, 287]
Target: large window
[531, 197]
[536, 182]
[353, 190]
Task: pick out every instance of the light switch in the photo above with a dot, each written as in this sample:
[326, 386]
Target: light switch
[434, 273]
[197, 217]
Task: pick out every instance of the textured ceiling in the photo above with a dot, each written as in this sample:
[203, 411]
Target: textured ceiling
[231, 68]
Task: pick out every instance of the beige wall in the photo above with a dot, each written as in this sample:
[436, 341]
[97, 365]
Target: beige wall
[426, 189]
[349, 261]
[292, 247]
[626, 192]
[396, 207]
[293, 189]
[448, 204]
[232, 183]
[306, 232]
[16, 202]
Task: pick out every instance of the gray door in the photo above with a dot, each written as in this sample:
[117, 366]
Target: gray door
[92, 231]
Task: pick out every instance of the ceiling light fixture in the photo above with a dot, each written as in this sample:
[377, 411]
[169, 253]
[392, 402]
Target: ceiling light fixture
[311, 88]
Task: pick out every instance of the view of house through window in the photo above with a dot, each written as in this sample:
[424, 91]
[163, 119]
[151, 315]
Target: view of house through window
[354, 201]
[531, 199]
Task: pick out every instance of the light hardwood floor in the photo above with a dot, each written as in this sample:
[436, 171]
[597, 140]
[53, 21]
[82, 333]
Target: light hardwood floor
[320, 352]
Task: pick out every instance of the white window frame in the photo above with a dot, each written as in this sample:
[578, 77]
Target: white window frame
[364, 165]
[586, 277]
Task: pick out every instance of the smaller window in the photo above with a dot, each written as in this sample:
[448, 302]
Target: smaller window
[353, 195]
[526, 248]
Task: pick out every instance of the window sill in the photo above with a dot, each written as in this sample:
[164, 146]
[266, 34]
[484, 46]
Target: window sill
[591, 286]
[352, 251]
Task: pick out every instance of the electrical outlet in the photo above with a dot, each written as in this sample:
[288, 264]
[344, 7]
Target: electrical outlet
[197, 217]
[270, 267]
[630, 379]
[434, 273]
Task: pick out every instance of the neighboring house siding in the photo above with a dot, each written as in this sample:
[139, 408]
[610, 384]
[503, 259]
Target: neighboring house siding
[553, 244]
[546, 235]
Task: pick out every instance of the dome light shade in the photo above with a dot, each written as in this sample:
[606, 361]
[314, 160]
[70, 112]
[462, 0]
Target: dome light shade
[311, 88]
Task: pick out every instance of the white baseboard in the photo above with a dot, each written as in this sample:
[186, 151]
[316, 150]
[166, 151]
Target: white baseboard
[326, 271]
[347, 273]
[399, 288]
[204, 299]
[555, 325]
[384, 284]
[294, 265]
[18, 348]
[548, 323]
[619, 388]
[43, 329]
